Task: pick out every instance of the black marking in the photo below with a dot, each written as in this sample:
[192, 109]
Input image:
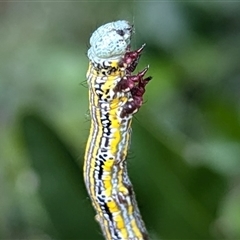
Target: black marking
[106, 143]
[120, 32]
[107, 211]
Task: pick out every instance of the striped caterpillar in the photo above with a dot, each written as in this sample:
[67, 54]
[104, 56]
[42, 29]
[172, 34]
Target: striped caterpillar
[115, 95]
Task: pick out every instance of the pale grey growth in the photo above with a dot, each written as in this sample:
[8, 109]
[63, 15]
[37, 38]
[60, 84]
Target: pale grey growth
[110, 41]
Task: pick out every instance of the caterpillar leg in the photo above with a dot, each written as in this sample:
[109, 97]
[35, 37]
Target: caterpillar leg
[130, 81]
[131, 58]
[137, 92]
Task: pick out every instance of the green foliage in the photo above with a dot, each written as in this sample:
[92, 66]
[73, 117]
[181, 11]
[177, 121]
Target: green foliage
[62, 190]
[184, 159]
[173, 195]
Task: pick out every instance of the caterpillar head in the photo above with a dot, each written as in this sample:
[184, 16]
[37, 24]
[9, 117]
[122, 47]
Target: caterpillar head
[110, 41]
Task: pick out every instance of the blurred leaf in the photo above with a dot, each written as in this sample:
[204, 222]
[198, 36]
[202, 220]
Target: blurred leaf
[222, 114]
[177, 201]
[62, 188]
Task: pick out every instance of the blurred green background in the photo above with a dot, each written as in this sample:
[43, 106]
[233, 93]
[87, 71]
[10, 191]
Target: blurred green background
[184, 160]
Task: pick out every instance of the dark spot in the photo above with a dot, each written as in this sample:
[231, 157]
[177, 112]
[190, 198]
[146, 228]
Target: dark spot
[106, 142]
[145, 236]
[107, 211]
[130, 190]
[120, 32]
[101, 158]
[124, 120]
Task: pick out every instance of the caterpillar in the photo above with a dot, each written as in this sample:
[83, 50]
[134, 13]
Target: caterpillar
[115, 95]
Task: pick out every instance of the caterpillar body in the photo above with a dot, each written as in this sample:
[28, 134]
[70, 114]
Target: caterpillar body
[115, 95]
